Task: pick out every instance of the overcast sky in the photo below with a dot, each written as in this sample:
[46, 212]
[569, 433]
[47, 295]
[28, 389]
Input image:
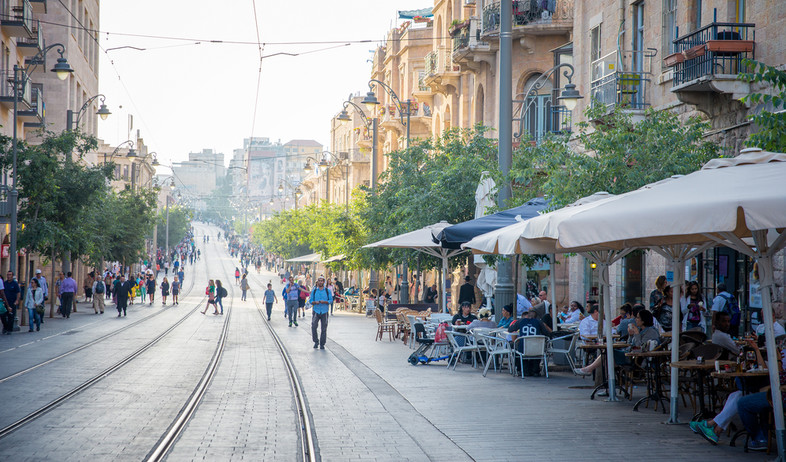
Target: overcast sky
[186, 96]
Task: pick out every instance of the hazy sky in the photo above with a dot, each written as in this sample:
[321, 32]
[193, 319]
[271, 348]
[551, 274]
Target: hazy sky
[186, 96]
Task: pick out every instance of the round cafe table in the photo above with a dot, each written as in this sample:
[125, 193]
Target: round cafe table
[604, 385]
[654, 392]
[701, 374]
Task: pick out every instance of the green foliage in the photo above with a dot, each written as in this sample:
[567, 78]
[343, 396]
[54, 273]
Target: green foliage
[432, 181]
[179, 223]
[56, 196]
[127, 220]
[771, 134]
[619, 156]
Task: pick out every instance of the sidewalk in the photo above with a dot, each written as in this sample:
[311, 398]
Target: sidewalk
[499, 417]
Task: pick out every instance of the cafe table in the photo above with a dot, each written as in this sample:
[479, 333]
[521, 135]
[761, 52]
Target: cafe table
[604, 385]
[701, 370]
[654, 392]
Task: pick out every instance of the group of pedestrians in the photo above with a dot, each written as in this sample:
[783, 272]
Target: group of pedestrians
[35, 297]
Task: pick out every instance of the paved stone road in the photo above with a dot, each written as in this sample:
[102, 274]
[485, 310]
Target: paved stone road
[366, 401]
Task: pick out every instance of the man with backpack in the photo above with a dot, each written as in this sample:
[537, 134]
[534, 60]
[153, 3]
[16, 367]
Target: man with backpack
[725, 302]
[320, 301]
[99, 288]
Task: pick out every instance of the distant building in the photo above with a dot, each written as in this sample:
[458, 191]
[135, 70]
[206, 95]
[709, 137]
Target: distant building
[200, 174]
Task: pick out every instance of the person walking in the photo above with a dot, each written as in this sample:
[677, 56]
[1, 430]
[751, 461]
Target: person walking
[87, 285]
[181, 276]
[243, 287]
[67, 293]
[467, 292]
[270, 297]
[12, 291]
[292, 291]
[320, 302]
[164, 290]
[221, 292]
[210, 291]
[98, 289]
[151, 287]
[6, 316]
[237, 275]
[175, 291]
[124, 291]
[34, 302]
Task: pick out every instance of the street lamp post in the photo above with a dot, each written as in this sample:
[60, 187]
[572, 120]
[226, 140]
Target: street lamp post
[166, 237]
[370, 101]
[62, 69]
[569, 96]
[72, 123]
[296, 192]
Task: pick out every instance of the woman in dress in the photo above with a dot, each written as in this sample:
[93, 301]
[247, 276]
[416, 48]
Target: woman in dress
[164, 290]
[210, 291]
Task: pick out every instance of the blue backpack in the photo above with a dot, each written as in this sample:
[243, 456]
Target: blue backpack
[733, 309]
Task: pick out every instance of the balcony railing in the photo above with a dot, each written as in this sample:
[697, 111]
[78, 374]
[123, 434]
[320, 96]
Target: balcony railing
[31, 45]
[542, 117]
[524, 12]
[431, 63]
[612, 87]
[17, 18]
[717, 48]
[7, 87]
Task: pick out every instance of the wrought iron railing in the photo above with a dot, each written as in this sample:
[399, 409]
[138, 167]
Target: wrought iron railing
[7, 85]
[38, 36]
[524, 13]
[431, 63]
[705, 53]
[611, 85]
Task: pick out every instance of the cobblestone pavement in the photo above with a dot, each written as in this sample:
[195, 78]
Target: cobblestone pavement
[366, 402]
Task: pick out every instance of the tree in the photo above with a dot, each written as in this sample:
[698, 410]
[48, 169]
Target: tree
[57, 198]
[179, 223]
[128, 219]
[771, 134]
[618, 156]
[431, 181]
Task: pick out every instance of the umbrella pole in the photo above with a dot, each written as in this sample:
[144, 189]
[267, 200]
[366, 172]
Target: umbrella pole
[443, 292]
[765, 270]
[678, 266]
[606, 287]
[553, 288]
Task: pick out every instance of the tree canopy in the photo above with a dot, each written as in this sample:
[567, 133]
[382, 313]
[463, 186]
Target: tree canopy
[771, 125]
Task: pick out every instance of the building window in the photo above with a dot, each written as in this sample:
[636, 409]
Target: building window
[595, 47]
[669, 25]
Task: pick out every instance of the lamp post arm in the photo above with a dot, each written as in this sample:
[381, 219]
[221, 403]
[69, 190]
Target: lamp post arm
[362, 114]
[533, 89]
[81, 112]
[402, 108]
[111, 156]
[40, 57]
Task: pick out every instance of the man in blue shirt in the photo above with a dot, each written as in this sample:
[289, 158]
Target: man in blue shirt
[527, 326]
[291, 297]
[181, 277]
[320, 301]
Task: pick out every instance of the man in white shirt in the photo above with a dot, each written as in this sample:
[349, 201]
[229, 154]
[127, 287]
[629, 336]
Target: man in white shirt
[720, 337]
[588, 327]
[522, 305]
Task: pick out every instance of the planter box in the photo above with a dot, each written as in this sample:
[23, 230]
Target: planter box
[695, 52]
[674, 59]
[730, 46]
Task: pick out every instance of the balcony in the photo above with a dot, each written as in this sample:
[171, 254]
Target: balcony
[468, 50]
[420, 114]
[7, 90]
[540, 117]
[709, 59]
[39, 6]
[34, 115]
[31, 46]
[611, 87]
[531, 18]
[440, 71]
[16, 19]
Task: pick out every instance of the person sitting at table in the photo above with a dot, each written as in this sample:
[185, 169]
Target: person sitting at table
[753, 404]
[628, 317]
[575, 314]
[627, 308]
[588, 327]
[507, 316]
[638, 335]
[720, 334]
[522, 304]
[464, 316]
[526, 326]
[776, 326]
[563, 314]
[484, 315]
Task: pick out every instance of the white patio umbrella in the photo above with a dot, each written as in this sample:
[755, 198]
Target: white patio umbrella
[540, 235]
[422, 241]
[737, 202]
